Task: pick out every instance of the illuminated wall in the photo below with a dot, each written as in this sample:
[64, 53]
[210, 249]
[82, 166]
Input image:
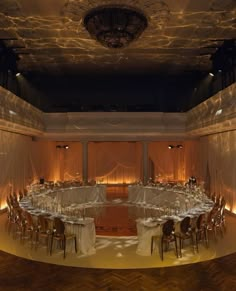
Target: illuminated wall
[69, 161]
[218, 165]
[176, 164]
[23, 161]
[115, 162]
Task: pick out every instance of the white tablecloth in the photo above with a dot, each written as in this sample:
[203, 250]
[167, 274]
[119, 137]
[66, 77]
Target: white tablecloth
[54, 200]
[84, 229]
[83, 194]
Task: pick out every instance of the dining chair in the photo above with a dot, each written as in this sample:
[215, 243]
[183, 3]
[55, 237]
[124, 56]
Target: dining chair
[185, 233]
[167, 236]
[60, 236]
[201, 230]
[44, 231]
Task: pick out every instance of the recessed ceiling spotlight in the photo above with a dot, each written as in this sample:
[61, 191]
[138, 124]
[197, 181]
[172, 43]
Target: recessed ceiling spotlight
[66, 147]
[18, 74]
[211, 74]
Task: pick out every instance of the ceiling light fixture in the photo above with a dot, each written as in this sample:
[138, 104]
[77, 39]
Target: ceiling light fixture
[115, 26]
[211, 74]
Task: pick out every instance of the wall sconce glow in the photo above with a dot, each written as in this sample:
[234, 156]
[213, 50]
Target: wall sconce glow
[66, 147]
[179, 146]
[12, 112]
[218, 112]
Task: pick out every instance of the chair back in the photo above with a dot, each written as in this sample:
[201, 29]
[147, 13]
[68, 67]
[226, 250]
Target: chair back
[59, 226]
[168, 227]
[20, 195]
[43, 223]
[222, 202]
[200, 221]
[185, 225]
[29, 219]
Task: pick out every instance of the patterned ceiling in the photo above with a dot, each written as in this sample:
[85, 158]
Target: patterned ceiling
[49, 35]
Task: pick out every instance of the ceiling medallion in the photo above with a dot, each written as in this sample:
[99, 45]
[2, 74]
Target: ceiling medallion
[115, 26]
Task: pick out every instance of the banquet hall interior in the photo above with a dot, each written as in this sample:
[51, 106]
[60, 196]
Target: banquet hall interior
[117, 145]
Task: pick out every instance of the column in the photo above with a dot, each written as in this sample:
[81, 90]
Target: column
[145, 162]
[85, 161]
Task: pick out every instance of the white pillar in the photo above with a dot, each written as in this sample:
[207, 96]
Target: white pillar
[85, 161]
[145, 162]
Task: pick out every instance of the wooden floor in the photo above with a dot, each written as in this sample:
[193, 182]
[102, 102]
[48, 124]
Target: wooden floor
[21, 274]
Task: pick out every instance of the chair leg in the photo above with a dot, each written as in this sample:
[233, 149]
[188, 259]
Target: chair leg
[151, 245]
[196, 240]
[180, 247]
[64, 244]
[162, 242]
[206, 237]
[75, 245]
[51, 245]
[176, 247]
[193, 243]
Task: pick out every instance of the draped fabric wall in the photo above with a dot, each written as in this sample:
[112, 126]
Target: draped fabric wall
[174, 164]
[211, 159]
[23, 161]
[114, 162]
[218, 165]
[71, 161]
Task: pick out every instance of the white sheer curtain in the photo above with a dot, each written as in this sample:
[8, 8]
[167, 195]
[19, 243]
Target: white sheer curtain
[114, 162]
[72, 161]
[23, 161]
[218, 165]
[176, 164]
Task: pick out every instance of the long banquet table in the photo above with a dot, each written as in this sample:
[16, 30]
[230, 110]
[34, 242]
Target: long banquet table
[171, 203]
[65, 203]
[83, 194]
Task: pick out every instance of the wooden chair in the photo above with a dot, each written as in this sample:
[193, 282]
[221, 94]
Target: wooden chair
[44, 231]
[185, 233]
[168, 236]
[31, 228]
[60, 236]
[201, 230]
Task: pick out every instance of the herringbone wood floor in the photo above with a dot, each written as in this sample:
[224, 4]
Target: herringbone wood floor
[21, 274]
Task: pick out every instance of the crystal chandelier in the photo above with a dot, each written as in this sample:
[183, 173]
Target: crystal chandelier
[115, 26]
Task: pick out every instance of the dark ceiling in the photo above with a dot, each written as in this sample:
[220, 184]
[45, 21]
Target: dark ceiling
[64, 69]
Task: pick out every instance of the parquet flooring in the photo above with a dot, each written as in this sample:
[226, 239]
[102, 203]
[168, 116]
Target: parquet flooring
[21, 274]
